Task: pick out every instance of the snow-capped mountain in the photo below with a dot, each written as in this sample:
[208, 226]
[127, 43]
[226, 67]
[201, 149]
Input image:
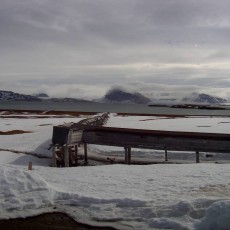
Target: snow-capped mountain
[204, 98]
[11, 96]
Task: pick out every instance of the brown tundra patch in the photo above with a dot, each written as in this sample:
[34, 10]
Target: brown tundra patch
[13, 132]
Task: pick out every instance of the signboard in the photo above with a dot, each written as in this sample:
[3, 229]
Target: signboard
[74, 136]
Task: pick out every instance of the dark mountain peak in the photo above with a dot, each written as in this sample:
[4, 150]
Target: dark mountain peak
[43, 95]
[123, 96]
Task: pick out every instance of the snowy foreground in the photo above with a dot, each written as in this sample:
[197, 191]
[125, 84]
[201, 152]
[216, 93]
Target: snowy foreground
[159, 196]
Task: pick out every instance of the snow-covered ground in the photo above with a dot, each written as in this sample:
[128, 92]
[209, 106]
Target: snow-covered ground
[187, 124]
[159, 196]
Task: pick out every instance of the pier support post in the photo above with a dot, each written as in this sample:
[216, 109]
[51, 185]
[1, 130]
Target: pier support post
[76, 154]
[86, 153]
[197, 157]
[166, 154]
[126, 155]
[66, 155]
[54, 156]
[129, 155]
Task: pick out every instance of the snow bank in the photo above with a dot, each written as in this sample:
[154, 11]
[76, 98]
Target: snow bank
[216, 217]
[22, 191]
[141, 197]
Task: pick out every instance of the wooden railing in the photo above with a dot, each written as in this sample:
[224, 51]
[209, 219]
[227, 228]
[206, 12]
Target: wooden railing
[93, 122]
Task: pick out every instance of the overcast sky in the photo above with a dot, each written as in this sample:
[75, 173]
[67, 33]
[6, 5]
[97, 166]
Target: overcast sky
[82, 48]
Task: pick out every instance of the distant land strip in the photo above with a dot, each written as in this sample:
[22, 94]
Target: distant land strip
[78, 113]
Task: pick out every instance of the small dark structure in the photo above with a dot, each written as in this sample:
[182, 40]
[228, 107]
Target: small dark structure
[71, 135]
[68, 137]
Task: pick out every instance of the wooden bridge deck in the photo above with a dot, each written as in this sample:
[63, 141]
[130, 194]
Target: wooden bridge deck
[141, 138]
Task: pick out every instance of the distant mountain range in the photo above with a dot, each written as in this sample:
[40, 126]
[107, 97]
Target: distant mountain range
[11, 96]
[121, 96]
[116, 96]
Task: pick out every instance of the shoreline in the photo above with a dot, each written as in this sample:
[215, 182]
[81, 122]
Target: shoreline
[61, 113]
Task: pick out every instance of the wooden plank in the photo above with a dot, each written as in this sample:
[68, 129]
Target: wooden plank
[221, 136]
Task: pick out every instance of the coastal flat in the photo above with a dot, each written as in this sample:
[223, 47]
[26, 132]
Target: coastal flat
[159, 196]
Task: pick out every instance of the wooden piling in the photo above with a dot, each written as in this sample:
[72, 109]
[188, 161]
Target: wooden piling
[166, 154]
[66, 156]
[30, 166]
[85, 153]
[54, 156]
[129, 155]
[126, 155]
[76, 154]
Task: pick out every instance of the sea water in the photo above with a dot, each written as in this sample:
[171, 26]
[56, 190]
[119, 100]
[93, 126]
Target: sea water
[107, 107]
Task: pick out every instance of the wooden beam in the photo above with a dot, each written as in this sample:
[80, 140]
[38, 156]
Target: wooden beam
[151, 141]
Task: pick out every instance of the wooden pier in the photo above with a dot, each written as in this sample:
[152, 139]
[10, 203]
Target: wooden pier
[93, 132]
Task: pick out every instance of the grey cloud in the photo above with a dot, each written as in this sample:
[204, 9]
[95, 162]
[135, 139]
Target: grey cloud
[118, 22]
[105, 42]
[219, 55]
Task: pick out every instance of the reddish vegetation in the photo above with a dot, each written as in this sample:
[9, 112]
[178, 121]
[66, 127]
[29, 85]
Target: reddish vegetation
[45, 124]
[161, 118]
[13, 132]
